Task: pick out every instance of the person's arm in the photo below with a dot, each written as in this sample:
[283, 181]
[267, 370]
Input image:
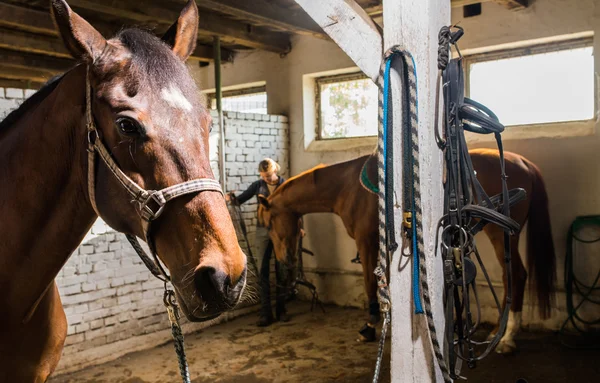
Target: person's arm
[248, 193]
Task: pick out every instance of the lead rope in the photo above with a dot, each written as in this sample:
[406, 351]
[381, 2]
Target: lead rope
[173, 312]
[413, 217]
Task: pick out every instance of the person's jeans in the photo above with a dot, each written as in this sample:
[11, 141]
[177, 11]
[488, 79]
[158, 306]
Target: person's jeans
[264, 248]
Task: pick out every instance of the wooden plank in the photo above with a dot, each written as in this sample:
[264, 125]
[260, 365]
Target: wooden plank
[462, 3]
[351, 28]
[20, 84]
[31, 60]
[266, 13]
[508, 4]
[414, 25]
[27, 42]
[513, 4]
[41, 22]
[27, 74]
[230, 31]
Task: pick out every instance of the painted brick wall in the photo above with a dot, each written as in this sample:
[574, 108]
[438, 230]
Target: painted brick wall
[10, 98]
[113, 303]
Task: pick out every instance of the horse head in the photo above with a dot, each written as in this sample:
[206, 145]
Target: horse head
[148, 112]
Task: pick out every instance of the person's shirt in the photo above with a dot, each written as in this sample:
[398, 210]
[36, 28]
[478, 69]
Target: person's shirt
[258, 187]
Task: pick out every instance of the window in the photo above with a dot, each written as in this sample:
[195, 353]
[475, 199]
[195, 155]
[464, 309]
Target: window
[346, 106]
[247, 100]
[542, 84]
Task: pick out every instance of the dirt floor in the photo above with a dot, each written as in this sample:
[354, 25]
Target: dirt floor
[312, 347]
[317, 347]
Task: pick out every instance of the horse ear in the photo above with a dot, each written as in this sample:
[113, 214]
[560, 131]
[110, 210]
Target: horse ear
[81, 39]
[182, 35]
[263, 201]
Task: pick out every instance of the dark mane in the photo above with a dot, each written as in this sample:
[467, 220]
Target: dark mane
[31, 102]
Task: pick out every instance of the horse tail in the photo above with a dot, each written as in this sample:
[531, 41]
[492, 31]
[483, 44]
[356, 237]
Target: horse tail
[541, 258]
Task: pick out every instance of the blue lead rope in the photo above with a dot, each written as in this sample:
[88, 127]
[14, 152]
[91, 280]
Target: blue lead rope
[407, 135]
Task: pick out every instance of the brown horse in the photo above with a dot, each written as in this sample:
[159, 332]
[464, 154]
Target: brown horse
[336, 189]
[147, 111]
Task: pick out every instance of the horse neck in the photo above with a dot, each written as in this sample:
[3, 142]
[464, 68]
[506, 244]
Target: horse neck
[313, 192]
[43, 200]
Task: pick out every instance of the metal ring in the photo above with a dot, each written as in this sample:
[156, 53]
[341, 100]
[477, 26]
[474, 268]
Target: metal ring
[463, 234]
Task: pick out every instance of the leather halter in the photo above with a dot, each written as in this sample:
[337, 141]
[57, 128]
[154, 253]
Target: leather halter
[149, 203]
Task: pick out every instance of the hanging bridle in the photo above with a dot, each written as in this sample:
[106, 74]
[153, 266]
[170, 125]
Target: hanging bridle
[149, 203]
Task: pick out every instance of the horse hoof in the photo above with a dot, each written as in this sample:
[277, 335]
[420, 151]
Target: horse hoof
[506, 347]
[367, 333]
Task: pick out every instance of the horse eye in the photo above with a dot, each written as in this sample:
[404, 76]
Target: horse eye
[128, 127]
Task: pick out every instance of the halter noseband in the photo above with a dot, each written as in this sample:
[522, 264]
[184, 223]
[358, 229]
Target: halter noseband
[150, 203]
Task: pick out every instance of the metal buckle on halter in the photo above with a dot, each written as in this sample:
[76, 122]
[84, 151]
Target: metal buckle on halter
[144, 206]
[407, 219]
[92, 135]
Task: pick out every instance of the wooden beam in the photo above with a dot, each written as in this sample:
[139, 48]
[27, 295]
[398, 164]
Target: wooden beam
[415, 25]
[513, 4]
[20, 84]
[266, 13]
[508, 4]
[351, 28]
[462, 3]
[30, 60]
[27, 74]
[27, 42]
[41, 22]
[230, 31]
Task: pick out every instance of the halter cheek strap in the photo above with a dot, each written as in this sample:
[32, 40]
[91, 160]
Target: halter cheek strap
[149, 203]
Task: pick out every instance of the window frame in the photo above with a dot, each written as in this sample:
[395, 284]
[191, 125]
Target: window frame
[556, 46]
[210, 96]
[332, 79]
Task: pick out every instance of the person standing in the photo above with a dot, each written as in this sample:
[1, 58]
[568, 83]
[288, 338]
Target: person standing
[269, 180]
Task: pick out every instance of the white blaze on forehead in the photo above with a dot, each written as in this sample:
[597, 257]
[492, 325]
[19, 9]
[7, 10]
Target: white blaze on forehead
[175, 98]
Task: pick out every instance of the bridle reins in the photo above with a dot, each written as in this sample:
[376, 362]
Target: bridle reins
[149, 203]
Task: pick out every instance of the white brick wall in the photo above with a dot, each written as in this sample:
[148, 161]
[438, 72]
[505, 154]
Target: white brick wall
[249, 138]
[108, 294]
[10, 98]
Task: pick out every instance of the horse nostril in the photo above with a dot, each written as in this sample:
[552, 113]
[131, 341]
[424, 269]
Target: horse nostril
[212, 284]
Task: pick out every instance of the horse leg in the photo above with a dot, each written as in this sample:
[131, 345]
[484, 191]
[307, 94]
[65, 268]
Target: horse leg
[507, 344]
[368, 259]
[31, 352]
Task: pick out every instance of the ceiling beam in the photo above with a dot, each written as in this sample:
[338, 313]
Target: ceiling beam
[513, 4]
[264, 12]
[508, 4]
[31, 60]
[27, 74]
[462, 3]
[230, 31]
[27, 42]
[20, 84]
[41, 22]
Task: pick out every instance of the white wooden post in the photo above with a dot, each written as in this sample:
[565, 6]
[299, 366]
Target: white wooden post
[414, 25]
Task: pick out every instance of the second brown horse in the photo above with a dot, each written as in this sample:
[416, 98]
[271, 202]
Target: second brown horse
[336, 189]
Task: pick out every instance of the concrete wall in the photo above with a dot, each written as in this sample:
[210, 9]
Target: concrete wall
[569, 163]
